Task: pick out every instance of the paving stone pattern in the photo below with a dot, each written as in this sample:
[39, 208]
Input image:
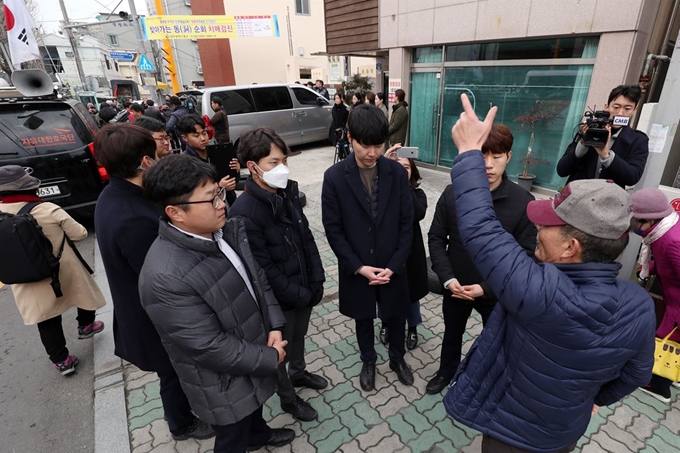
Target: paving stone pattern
[392, 418]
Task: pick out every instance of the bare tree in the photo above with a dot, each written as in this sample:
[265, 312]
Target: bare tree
[33, 10]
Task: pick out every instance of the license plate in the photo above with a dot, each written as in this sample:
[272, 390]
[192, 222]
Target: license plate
[49, 191]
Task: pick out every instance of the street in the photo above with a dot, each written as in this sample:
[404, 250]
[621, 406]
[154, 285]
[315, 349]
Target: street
[41, 411]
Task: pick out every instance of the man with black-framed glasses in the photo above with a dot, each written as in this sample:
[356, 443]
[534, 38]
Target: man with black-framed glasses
[157, 130]
[623, 157]
[212, 305]
[127, 225]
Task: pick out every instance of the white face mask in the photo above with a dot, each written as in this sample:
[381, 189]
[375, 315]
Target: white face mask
[277, 177]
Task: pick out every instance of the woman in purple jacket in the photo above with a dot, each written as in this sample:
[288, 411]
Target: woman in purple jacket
[656, 221]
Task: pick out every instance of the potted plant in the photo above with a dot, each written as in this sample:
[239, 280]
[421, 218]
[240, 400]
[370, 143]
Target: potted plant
[538, 114]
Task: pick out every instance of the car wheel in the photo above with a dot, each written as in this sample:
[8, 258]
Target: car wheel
[433, 280]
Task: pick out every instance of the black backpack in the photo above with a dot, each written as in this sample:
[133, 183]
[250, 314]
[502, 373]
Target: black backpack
[27, 255]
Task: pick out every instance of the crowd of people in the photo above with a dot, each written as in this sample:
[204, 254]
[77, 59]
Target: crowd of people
[214, 292]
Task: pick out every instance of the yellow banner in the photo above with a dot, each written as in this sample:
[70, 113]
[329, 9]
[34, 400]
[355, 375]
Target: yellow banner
[209, 27]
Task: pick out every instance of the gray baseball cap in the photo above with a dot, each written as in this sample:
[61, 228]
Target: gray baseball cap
[597, 207]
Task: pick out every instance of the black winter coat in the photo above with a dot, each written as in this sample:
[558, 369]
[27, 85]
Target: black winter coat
[153, 112]
[448, 255]
[281, 242]
[340, 113]
[357, 239]
[215, 332]
[126, 225]
[416, 265]
[631, 148]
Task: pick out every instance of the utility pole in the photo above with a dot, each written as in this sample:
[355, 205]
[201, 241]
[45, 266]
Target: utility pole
[140, 41]
[74, 44]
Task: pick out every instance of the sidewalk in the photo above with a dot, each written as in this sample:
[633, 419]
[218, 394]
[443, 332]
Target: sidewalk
[392, 418]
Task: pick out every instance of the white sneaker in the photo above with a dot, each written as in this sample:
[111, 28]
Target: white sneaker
[658, 396]
[676, 385]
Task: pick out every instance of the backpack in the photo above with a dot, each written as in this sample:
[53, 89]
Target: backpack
[27, 255]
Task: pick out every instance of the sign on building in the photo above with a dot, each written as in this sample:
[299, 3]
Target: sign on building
[209, 27]
[395, 84]
[122, 56]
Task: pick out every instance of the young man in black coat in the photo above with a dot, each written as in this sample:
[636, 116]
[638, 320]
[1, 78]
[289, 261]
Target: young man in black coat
[465, 288]
[283, 245]
[126, 225]
[367, 213]
[623, 157]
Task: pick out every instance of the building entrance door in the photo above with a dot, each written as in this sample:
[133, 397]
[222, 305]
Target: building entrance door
[424, 114]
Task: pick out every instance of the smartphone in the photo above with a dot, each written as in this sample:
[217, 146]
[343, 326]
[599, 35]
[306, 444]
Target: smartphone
[408, 152]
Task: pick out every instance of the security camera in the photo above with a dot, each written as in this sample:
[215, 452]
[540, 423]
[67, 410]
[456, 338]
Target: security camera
[124, 15]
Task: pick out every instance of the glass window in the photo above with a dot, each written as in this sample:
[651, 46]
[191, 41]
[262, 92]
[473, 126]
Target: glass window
[272, 98]
[40, 129]
[236, 101]
[302, 7]
[581, 47]
[427, 55]
[113, 40]
[516, 90]
[306, 97]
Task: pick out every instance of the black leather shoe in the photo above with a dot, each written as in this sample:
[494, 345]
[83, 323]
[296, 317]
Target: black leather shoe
[411, 339]
[367, 377]
[196, 430]
[300, 410]
[437, 384]
[279, 438]
[404, 373]
[383, 335]
[311, 381]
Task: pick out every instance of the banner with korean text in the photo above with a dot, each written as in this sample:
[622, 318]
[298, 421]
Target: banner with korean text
[209, 27]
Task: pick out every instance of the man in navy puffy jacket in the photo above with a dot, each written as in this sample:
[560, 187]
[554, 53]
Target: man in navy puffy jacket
[566, 336]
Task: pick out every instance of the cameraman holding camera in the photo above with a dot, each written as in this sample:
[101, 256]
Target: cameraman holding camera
[624, 154]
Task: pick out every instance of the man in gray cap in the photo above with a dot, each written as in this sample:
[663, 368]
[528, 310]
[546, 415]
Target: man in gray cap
[566, 336]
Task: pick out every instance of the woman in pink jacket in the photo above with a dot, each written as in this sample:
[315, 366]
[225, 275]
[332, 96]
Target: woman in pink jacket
[656, 221]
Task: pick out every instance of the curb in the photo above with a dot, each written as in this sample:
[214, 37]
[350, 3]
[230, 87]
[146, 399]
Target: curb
[111, 433]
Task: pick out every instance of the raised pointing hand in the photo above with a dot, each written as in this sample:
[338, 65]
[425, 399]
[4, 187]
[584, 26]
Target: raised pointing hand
[469, 133]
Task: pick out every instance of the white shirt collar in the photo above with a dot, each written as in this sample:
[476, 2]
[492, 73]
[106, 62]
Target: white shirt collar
[216, 234]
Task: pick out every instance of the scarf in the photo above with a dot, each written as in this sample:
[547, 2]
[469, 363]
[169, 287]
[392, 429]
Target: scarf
[19, 198]
[662, 228]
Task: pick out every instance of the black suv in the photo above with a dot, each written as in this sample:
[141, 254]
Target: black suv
[53, 141]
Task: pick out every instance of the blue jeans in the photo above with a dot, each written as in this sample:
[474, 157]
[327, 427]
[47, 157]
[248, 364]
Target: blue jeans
[413, 317]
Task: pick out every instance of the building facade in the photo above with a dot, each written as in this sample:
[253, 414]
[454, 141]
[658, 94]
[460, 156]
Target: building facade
[563, 57]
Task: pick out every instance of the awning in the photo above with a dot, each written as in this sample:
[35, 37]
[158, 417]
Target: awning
[162, 86]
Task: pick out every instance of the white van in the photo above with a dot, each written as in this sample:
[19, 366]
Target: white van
[298, 114]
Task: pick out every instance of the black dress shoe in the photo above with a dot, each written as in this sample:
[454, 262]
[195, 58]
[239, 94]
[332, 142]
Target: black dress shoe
[367, 377]
[311, 381]
[383, 335]
[279, 438]
[196, 430]
[437, 384]
[412, 339]
[404, 373]
[300, 410]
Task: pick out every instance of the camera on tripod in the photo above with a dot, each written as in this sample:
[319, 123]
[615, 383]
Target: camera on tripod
[597, 135]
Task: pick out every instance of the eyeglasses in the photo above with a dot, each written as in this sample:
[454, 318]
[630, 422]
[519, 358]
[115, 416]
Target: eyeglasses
[221, 197]
[163, 139]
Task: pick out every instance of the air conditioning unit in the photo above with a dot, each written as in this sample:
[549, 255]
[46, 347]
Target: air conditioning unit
[199, 70]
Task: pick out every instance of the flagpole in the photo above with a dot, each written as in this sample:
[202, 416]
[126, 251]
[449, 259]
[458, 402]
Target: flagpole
[74, 45]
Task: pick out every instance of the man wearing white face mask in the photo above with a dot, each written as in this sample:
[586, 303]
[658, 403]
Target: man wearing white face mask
[284, 247]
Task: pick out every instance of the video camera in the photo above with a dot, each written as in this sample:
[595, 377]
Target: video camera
[596, 135]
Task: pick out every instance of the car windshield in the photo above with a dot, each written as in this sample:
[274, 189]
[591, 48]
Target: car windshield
[38, 129]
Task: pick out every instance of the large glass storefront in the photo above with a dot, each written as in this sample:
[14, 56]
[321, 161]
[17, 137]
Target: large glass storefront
[551, 75]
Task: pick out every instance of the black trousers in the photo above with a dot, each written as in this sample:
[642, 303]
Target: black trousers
[491, 445]
[456, 313]
[236, 438]
[176, 406]
[294, 332]
[396, 333]
[52, 334]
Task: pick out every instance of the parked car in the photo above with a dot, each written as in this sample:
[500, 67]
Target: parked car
[299, 115]
[53, 139]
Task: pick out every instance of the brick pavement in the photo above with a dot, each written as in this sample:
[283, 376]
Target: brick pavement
[392, 418]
